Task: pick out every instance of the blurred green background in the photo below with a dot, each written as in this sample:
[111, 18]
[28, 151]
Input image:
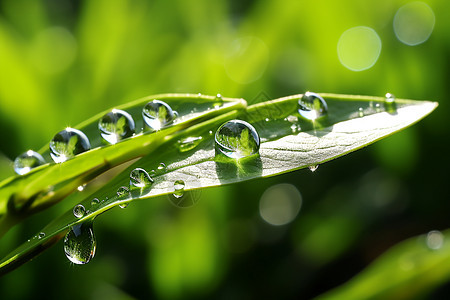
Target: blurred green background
[294, 236]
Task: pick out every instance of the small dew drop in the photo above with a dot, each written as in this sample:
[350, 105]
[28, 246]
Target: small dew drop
[79, 211]
[237, 139]
[210, 132]
[123, 192]
[41, 235]
[95, 202]
[27, 161]
[68, 143]
[312, 106]
[267, 119]
[390, 98]
[435, 240]
[292, 119]
[389, 103]
[81, 187]
[178, 188]
[313, 168]
[361, 112]
[80, 244]
[116, 126]
[157, 115]
[189, 143]
[294, 128]
[378, 107]
[161, 167]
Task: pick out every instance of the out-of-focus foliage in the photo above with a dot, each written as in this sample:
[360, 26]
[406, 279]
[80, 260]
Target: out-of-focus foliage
[63, 61]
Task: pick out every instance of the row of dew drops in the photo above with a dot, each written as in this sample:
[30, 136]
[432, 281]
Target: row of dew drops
[235, 139]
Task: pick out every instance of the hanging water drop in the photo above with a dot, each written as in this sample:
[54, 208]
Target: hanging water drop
[80, 244]
[312, 106]
[390, 98]
[189, 143]
[68, 143]
[140, 178]
[123, 205]
[178, 188]
[79, 211]
[27, 161]
[237, 139]
[313, 168]
[116, 126]
[219, 98]
[157, 115]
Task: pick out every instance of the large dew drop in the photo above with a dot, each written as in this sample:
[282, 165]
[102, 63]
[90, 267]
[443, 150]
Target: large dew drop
[140, 178]
[27, 161]
[312, 106]
[157, 115]
[237, 139]
[79, 243]
[79, 211]
[116, 126]
[68, 143]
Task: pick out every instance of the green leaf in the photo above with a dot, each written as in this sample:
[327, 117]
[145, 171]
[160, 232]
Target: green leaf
[288, 143]
[405, 271]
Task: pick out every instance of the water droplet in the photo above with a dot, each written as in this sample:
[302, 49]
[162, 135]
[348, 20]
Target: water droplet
[81, 187]
[123, 192]
[41, 235]
[219, 98]
[237, 139]
[390, 98]
[312, 106]
[79, 211]
[389, 103]
[158, 114]
[140, 178]
[292, 119]
[189, 143]
[27, 161]
[95, 202]
[116, 126]
[361, 112]
[313, 168]
[68, 143]
[80, 244]
[435, 240]
[294, 128]
[377, 107]
[178, 188]
[267, 119]
[210, 132]
[152, 173]
[161, 167]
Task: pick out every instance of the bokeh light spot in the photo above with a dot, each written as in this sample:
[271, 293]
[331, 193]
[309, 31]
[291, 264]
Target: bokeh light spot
[280, 204]
[414, 23]
[54, 50]
[359, 48]
[246, 59]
